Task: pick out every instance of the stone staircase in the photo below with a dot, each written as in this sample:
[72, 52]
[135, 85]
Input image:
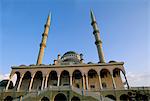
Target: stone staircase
[96, 95]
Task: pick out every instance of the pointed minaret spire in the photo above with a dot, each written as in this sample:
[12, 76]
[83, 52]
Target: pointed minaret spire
[44, 39]
[98, 41]
[92, 16]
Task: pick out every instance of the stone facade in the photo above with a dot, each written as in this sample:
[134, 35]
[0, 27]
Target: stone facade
[70, 79]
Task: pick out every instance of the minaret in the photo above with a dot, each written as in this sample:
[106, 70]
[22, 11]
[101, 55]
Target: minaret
[44, 39]
[98, 41]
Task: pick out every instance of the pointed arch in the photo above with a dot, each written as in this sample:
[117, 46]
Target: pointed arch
[37, 81]
[117, 74]
[17, 80]
[26, 81]
[106, 79]
[52, 79]
[93, 80]
[64, 78]
[77, 79]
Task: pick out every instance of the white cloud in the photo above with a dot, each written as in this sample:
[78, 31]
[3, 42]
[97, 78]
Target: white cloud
[4, 76]
[138, 79]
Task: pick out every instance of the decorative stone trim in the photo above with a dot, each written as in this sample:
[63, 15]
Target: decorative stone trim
[46, 25]
[98, 42]
[93, 22]
[95, 31]
[42, 44]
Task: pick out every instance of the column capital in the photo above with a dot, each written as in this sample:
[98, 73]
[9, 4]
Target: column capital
[111, 73]
[82, 75]
[33, 75]
[22, 75]
[47, 75]
[86, 74]
[58, 75]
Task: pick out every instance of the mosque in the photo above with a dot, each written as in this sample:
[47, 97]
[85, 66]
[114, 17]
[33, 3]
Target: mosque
[69, 78]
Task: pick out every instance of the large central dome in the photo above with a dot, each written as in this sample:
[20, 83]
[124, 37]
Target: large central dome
[71, 56]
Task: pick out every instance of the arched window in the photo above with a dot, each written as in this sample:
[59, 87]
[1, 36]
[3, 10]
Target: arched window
[92, 74]
[52, 79]
[64, 78]
[37, 82]
[77, 79]
[26, 81]
[60, 97]
[77, 74]
[104, 73]
[104, 85]
[116, 72]
[93, 80]
[119, 78]
[106, 78]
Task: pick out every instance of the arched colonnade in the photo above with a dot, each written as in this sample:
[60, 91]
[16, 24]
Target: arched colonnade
[91, 79]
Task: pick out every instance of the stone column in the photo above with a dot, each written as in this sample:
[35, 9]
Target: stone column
[31, 82]
[46, 81]
[20, 82]
[70, 80]
[113, 81]
[58, 83]
[20, 98]
[126, 80]
[43, 83]
[8, 84]
[87, 85]
[83, 81]
[100, 82]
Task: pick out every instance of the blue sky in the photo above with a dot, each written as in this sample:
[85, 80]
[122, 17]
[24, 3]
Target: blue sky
[124, 29]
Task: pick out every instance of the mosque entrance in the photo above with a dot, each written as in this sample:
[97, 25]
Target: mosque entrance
[60, 97]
